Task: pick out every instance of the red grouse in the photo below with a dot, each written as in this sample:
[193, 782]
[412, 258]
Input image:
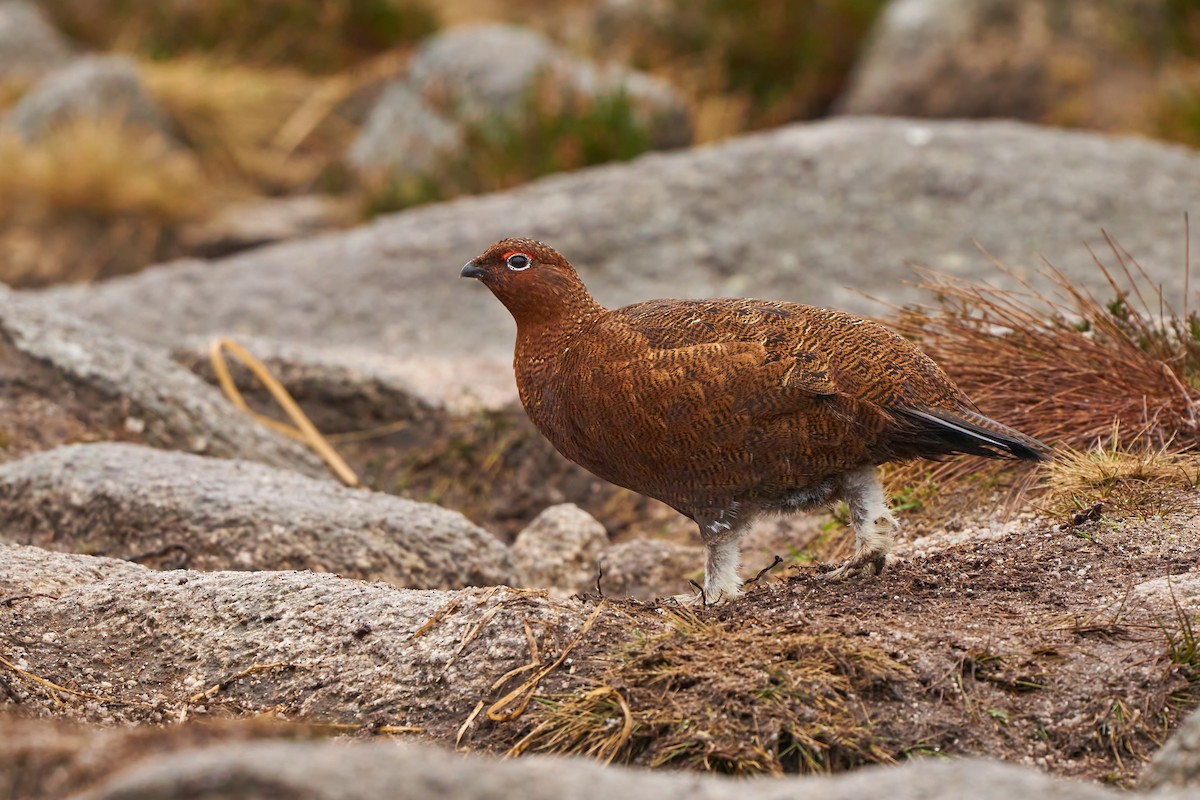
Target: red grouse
[728, 409]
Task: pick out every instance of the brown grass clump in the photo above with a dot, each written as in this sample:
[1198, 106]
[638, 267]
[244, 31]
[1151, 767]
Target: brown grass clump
[93, 199]
[794, 690]
[1063, 366]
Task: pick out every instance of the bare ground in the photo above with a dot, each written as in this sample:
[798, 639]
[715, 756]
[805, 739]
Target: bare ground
[40, 409]
[1033, 646]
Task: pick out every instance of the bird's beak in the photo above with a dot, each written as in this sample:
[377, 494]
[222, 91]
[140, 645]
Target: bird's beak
[469, 270]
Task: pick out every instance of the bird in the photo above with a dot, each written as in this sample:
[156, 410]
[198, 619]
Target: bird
[733, 408]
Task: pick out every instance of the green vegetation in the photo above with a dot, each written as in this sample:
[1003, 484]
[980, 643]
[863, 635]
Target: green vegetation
[317, 36]
[777, 60]
[1182, 25]
[505, 150]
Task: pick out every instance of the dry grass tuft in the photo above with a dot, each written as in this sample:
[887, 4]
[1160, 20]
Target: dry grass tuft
[93, 199]
[1063, 366]
[596, 724]
[231, 116]
[102, 167]
[795, 690]
[1144, 482]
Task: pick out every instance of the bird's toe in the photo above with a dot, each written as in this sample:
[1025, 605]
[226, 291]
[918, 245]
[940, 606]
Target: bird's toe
[691, 600]
[844, 572]
[865, 564]
[711, 597]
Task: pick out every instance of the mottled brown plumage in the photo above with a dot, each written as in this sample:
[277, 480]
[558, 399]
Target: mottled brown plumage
[726, 409]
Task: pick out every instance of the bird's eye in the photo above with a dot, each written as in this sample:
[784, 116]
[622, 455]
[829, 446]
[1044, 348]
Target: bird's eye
[518, 261]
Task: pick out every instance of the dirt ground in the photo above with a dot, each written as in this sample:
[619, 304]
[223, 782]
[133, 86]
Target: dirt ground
[1032, 647]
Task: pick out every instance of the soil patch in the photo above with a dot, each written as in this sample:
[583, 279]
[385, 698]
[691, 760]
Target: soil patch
[1029, 647]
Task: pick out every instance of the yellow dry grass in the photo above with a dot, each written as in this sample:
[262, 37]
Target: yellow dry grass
[99, 166]
[231, 115]
[93, 198]
[98, 198]
[1142, 482]
[655, 701]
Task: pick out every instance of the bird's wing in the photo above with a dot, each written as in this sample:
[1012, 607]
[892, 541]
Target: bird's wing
[716, 385]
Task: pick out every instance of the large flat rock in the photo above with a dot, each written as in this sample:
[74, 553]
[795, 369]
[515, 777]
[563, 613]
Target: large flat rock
[172, 509]
[811, 213]
[51, 760]
[320, 771]
[147, 645]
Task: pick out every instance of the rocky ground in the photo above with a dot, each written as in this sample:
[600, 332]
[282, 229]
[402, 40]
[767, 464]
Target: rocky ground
[1065, 648]
[169, 563]
[190, 606]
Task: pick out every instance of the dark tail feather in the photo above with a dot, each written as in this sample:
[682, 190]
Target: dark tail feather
[964, 431]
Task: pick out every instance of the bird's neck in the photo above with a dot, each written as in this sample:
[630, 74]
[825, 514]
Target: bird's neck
[543, 341]
[545, 337]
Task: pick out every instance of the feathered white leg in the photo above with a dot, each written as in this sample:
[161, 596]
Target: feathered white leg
[721, 582]
[872, 521]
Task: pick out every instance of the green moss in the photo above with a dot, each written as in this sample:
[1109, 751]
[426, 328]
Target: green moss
[1182, 18]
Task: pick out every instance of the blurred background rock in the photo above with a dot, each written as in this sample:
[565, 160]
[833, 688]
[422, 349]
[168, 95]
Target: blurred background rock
[132, 133]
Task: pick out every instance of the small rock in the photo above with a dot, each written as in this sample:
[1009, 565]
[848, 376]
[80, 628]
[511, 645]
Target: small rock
[559, 549]
[404, 135]
[29, 45]
[947, 58]
[1165, 595]
[1177, 764]
[1036, 60]
[93, 86]
[649, 568]
[481, 71]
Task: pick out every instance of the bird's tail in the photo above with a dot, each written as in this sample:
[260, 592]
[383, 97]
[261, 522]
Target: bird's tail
[964, 431]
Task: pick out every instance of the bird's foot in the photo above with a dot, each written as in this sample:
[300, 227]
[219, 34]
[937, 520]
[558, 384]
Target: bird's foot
[707, 597]
[693, 600]
[868, 563]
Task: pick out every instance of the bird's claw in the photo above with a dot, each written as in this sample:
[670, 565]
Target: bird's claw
[703, 599]
[863, 564]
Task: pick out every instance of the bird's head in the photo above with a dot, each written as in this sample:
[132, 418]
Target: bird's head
[532, 280]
